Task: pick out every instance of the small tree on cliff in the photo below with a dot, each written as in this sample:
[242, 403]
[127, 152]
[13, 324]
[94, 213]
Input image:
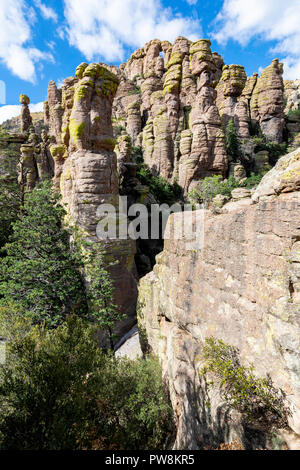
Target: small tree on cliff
[232, 142]
[100, 291]
[40, 271]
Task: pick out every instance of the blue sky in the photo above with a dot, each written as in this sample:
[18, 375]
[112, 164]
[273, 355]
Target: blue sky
[42, 40]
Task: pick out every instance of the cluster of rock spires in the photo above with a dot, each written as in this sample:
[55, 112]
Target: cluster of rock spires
[174, 102]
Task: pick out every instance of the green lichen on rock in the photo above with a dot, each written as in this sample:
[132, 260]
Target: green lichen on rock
[108, 143]
[65, 135]
[76, 130]
[124, 138]
[175, 59]
[80, 93]
[107, 83]
[58, 151]
[173, 79]
[92, 70]
[201, 49]
[80, 69]
[24, 99]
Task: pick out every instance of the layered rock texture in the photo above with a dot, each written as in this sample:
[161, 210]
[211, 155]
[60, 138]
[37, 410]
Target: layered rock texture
[85, 164]
[242, 287]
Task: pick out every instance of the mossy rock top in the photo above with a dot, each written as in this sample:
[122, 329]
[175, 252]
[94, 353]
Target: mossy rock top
[24, 99]
[201, 45]
[124, 138]
[80, 69]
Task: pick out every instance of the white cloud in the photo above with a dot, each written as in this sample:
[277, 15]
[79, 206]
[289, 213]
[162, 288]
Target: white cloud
[103, 28]
[271, 20]
[192, 2]
[47, 12]
[10, 111]
[15, 34]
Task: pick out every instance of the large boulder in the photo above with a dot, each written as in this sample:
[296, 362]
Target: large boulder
[283, 178]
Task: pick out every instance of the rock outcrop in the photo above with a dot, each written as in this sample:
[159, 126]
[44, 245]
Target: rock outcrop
[171, 99]
[207, 153]
[291, 95]
[283, 178]
[242, 287]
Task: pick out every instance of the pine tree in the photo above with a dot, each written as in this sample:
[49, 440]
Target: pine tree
[40, 271]
[100, 291]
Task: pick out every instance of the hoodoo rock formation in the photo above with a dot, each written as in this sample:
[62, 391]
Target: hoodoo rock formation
[86, 167]
[181, 138]
[266, 104]
[26, 120]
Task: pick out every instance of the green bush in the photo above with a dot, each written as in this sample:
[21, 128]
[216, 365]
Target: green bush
[42, 273]
[209, 187]
[135, 91]
[118, 129]
[58, 391]
[255, 397]
[253, 180]
[294, 114]
[275, 150]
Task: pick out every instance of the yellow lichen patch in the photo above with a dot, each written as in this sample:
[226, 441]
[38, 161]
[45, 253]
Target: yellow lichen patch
[92, 70]
[107, 83]
[76, 130]
[173, 78]
[203, 45]
[176, 58]
[58, 151]
[80, 69]
[65, 135]
[291, 174]
[24, 99]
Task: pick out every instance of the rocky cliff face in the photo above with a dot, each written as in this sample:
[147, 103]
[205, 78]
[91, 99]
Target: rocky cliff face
[242, 287]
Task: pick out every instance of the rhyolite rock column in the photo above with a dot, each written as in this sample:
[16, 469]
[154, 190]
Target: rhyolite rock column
[26, 120]
[207, 154]
[266, 103]
[230, 88]
[86, 171]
